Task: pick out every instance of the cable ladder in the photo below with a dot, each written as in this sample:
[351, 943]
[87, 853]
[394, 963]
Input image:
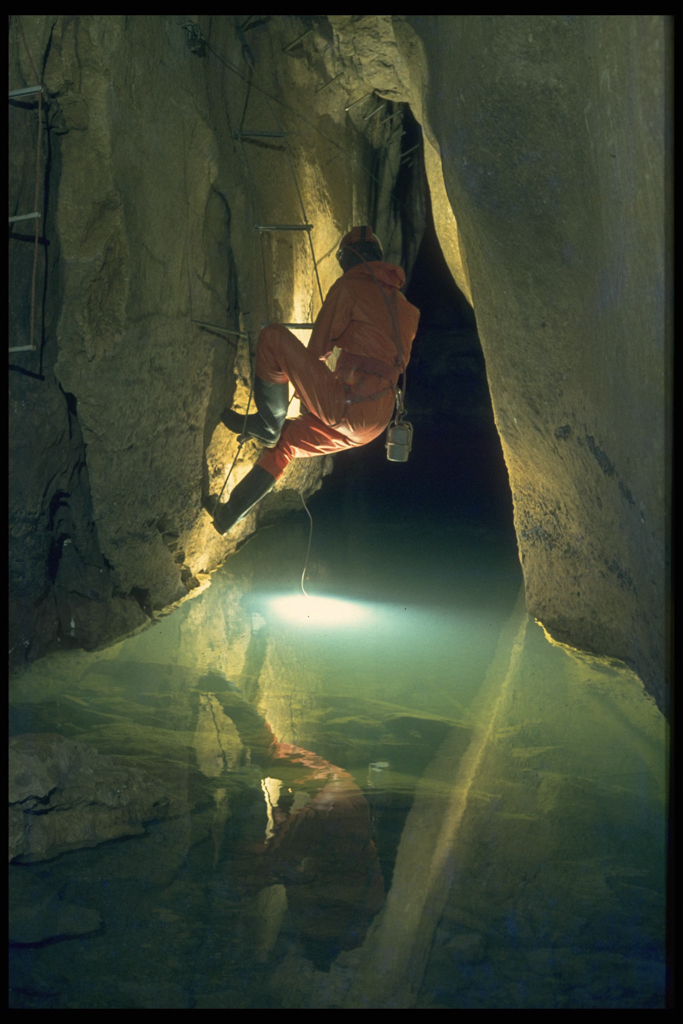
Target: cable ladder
[30, 90]
[196, 38]
[239, 135]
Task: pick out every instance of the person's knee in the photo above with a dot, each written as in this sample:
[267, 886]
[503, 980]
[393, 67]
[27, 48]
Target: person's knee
[272, 334]
[269, 355]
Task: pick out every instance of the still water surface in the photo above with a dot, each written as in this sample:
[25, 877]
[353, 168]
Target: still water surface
[405, 796]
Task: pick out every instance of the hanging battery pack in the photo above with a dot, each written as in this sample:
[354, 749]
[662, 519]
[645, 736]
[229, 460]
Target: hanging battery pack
[399, 434]
[399, 441]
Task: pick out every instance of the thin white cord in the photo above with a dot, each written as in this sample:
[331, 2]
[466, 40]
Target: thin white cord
[310, 538]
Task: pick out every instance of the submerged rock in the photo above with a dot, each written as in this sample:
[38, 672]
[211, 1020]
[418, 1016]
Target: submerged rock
[29, 925]
[64, 795]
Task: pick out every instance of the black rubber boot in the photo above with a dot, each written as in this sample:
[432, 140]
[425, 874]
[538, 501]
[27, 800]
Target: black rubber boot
[272, 401]
[248, 492]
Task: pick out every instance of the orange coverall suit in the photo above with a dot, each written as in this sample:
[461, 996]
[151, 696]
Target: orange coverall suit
[341, 408]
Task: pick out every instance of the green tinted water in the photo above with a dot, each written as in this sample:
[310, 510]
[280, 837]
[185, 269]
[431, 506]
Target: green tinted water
[407, 798]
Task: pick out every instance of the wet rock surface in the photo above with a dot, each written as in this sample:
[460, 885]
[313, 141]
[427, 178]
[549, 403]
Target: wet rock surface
[561, 208]
[64, 795]
[246, 719]
[37, 915]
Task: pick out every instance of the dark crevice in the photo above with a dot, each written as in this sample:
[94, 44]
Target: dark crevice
[143, 598]
[408, 185]
[71, 406]
[52, 941]
[59, 500]
[44, 800]
[27, 373]
[16, 236]
[48, 47]
[54, 556]
[70, 402]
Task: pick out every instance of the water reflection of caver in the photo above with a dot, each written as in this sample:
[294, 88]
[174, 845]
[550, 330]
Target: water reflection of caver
[317, 838]
[323, 853]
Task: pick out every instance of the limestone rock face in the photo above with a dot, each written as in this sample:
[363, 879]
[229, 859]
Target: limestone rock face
[552, 133]
[156, 180]
[64, 796]
[543, 146]
[544, 151]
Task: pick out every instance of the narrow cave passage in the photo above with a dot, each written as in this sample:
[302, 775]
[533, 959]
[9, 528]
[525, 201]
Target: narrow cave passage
[396, 794]
[456, 473]
[445, 516]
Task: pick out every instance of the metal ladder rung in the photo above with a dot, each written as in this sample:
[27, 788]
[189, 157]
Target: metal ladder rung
[22, 348]
[409, 151]
[283, 227]
[302, 327]
[330, 82]
[247, 25]
[220, 330]
[356, 102]
[298, 39]
[391, 117]
[24, 216]
[28, 90]
[266, 135]
[375, 111]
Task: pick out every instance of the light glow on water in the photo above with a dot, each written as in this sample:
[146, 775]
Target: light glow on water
[302, 610]
[523, 785]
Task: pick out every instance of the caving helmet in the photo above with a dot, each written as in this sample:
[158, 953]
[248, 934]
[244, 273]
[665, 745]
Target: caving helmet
[359, 242]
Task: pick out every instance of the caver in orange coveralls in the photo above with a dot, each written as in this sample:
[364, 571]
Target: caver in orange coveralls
[345, 379]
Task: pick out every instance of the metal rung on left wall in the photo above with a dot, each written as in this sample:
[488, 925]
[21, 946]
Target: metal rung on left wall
[298, 39]
[283, 227]
[24, 216]
[220, 330]
[325, 86]
[28, 90]
[255, 135]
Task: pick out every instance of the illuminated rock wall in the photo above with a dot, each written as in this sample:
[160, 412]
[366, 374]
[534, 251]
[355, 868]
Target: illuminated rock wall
[553, 138]
[150, 216]
[543, 147]
[544, 150]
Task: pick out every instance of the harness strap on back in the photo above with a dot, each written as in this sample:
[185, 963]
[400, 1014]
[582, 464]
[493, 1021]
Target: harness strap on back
[350, 361]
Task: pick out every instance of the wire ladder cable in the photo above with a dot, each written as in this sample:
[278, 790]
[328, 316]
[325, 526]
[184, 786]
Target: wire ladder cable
[308, 550]
[239, 136]
[15, 93]
[231, 67]
[281, 133]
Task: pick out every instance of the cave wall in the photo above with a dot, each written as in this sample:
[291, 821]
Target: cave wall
[553, 135]
[543, 145]
[149, 221]
[545, 142]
